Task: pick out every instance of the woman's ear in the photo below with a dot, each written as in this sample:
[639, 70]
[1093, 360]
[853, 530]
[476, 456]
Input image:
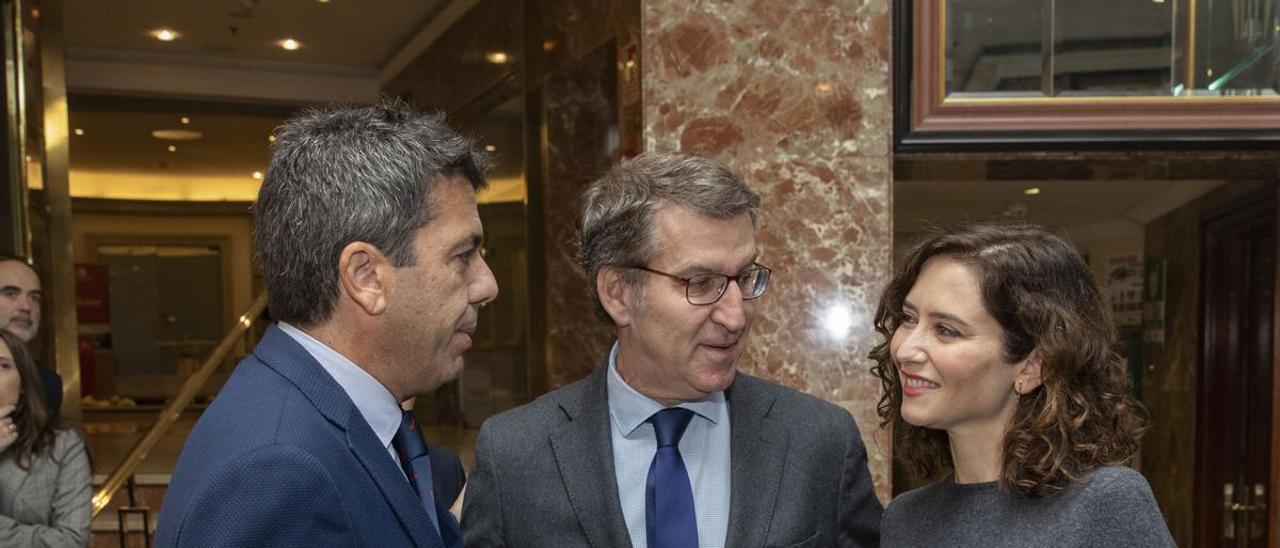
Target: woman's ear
[1029, 378]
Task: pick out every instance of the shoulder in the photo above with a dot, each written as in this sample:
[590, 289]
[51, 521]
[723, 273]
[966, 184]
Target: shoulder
[908, 509]
[545, 412]
[1116, 504]
[68, 442]
[1110, 483]
[804, 410]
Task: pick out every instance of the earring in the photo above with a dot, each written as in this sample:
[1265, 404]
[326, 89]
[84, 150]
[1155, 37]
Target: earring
[1017, 387]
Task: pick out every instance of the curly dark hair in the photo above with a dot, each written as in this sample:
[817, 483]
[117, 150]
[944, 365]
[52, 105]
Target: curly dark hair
[1045, 299]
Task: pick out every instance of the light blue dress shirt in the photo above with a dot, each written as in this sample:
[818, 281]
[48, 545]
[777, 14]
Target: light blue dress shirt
[375, 403]
[704, 448]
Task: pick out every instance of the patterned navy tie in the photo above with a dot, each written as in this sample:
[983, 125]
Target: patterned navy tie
[668, 498]
[412, 450]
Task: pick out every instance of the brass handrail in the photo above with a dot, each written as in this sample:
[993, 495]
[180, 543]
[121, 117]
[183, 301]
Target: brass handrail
[120, 476]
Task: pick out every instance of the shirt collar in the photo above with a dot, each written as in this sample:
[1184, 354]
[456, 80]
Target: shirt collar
[379, 408]
[628, 409]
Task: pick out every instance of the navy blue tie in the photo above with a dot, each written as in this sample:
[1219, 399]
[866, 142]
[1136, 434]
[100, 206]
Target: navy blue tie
[668, 498]
[412, 450]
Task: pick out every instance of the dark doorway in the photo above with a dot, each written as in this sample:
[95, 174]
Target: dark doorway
[1234, 460]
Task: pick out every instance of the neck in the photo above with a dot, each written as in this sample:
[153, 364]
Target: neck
[638, 381]
[352, 344]
[976, 456]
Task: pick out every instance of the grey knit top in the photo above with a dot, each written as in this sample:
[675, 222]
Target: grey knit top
[1114, 507]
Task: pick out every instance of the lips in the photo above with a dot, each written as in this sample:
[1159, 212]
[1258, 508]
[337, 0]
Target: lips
[914, 385]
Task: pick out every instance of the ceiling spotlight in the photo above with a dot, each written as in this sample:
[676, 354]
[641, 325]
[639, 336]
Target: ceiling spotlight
[289, 44]
[490, 148]
[164, 35]
[1032, 191]
[271, 138]
[173, 148]
[257, 175]
[79, 131]
[185, 120]
[497, 57]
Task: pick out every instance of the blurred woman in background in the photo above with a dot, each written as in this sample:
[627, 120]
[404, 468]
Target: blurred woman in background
[1002, 383]
[44, 467]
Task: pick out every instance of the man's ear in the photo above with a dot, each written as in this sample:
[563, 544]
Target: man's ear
[364, 274]
[1029, 378]
[615, 295]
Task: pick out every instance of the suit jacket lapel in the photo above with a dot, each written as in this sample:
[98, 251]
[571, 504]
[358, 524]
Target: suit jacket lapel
[758, 449]
[280, 352]
[583, 449]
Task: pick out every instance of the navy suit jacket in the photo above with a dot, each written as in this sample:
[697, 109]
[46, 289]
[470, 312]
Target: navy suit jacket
[284, 458]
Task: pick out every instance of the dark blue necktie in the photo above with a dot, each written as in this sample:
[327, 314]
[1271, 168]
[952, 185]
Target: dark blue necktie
[668, 498]
[412, 450]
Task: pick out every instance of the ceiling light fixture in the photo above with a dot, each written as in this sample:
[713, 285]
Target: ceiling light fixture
[177, 135]
[271, 138]
[185, 120]
[1032, 191]
[490, 148]
[497, 57]
[824, 87]
[79, 131]
[173, 148]
[164, 35]
[289, 44]
[257, 175]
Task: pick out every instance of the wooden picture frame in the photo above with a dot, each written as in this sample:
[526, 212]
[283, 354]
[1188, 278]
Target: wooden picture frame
[926, 119]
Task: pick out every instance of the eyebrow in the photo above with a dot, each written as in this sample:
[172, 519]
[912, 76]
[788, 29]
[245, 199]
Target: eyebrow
[695, 270]
[938, 315]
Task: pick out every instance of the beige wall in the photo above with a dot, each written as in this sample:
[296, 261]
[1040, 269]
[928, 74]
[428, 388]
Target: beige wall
[235, 229]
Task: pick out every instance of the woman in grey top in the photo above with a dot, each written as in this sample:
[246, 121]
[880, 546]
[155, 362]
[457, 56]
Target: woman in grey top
[1000, 377]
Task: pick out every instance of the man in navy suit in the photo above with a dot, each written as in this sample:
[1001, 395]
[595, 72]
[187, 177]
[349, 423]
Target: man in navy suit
[368, 238]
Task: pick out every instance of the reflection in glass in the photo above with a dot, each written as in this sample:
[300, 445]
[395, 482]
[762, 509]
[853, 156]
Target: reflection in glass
[1108, 48]
[994, 48]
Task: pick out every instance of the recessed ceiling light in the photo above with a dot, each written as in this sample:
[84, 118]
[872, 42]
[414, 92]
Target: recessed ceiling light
[490, 148]
[289, 44]
[177, 134]
[257, 175]
[164, 35]
[271, 138]
[185, 120]
[173, 148]
[79, 131]
[1032, 191]
[497, 57]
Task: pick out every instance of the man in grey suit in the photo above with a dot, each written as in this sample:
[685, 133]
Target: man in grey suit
[667, 444]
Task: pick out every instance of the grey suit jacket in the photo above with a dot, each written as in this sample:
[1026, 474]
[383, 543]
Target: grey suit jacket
[544, 473]
[49, 504]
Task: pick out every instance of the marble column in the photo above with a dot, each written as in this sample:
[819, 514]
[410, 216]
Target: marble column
[795, 97]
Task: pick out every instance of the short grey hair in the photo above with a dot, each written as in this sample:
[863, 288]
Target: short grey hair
[343, 174]
[616, 225]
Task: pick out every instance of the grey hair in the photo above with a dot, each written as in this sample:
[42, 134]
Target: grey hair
[343, 174]
[616, 225]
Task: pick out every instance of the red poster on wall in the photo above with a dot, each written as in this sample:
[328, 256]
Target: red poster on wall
[93, 303]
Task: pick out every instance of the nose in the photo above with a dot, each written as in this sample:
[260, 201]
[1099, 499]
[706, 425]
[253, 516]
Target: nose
[731, 311]
[906, 346]
[484, 287]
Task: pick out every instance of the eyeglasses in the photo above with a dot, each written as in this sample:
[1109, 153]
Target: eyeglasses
[705, 289]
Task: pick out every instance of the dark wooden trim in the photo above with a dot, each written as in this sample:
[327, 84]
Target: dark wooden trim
[159, 207]
[926, 120]
[1273, 506]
